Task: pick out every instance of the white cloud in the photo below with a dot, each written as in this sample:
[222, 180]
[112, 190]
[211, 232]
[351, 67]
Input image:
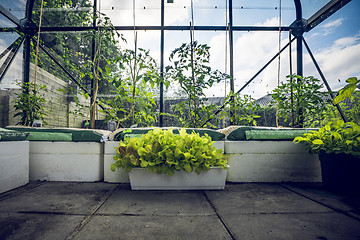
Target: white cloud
[334, 23]
[252, 50]
[340, 61]
[330, 27]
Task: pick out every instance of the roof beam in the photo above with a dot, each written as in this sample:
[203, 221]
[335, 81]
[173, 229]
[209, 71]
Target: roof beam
[324, 13]
[169, 28]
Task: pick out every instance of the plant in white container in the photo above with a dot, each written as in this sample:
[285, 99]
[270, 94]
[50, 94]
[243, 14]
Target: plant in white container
[171, 155]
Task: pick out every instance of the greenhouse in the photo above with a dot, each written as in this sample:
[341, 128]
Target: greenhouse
[169, 119]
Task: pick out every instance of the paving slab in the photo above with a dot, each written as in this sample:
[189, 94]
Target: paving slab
[37, 226]
[126, 201]
[59, 197]
[299, 226]
[154, 228]
[65, 210]
[342, 203]
[261, 198]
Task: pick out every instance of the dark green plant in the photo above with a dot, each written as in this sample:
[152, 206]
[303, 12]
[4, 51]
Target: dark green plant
[190, 69]
[164, 152]
[30, 103]
[133, 102]
[300, 100]
[335, 137]
[245, 107]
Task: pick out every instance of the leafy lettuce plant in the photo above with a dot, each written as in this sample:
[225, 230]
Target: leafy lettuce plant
[164, 152]
[335, 137]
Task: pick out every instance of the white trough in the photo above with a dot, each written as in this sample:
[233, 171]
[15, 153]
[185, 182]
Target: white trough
[120, 176]
[67, 161]
[271, 161]
[14, 164]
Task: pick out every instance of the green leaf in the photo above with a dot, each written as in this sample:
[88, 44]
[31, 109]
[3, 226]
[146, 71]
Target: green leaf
[317, 142]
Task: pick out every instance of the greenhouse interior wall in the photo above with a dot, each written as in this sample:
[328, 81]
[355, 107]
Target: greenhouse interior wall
[59, 107]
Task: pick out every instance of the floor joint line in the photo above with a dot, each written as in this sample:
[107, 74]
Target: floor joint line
[219, 217]
[323, 204]
[82, 224]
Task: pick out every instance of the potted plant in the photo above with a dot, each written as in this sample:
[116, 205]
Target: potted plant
[161, 159]
[338, 146]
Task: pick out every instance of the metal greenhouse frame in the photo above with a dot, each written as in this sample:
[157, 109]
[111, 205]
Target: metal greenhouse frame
[29, 29]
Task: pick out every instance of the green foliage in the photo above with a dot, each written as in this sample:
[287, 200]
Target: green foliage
[336, 137]
[347, 91]
[88, 56]
[190, 69]
[30, 103]
[245, 108]
[133, 102]
[301, 98]
[163, 152]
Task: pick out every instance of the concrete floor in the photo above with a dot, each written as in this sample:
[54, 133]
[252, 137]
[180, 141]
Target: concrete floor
[62, 210]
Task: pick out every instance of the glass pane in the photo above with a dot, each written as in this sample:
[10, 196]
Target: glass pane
[246, 13]
[178, 13]
[14, 72]
[77, 13]
[310, 7]
[121, 13]
[217, 9]
[6, 23]
[15, 7]
[252, 50]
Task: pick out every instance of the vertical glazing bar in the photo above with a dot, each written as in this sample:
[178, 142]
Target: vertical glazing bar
[92, 84]
[27, 58]
[299, 52]
[27, 43]
[161, 103]
[231, 49]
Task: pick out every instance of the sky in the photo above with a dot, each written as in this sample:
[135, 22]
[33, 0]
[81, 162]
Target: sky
[335, 43]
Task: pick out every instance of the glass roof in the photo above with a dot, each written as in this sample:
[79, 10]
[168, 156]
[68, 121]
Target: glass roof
[148, 12]
[310, 7]
[255, 26]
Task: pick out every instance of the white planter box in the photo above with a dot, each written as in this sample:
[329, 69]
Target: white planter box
[14, 164]
[141, 179]
[120, 176]
[271, 161]
[67, 161]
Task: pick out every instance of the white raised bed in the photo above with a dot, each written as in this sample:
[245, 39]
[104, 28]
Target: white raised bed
[14, 164]
[271, 161]
[120, 176]
[67, 161]
[141, 179]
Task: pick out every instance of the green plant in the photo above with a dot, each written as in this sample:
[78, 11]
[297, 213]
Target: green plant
[133, 102]
[347, 91]
[245, 107]
[335, 137]
[30, 103]
[300, 99]
[164, 152]
[190, 69]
